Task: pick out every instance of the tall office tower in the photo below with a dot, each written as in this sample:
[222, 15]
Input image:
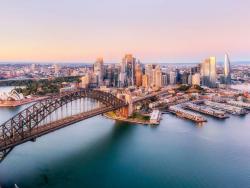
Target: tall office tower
[110, 68]
[99, 71]
[116, 76]
[213, 74]
[192, 71]
[153, 81]
[205, 67]
[208, 72]
[178, 76]
[227, 70]
[158, 76]
[184, 78]
[149, 73]
[127, 75]
[172, 78]
[122, 75]
[138, 75]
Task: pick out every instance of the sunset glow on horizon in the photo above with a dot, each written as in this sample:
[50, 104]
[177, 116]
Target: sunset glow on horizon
[152, 30]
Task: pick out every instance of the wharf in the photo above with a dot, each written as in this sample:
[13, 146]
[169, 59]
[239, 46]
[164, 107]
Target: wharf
[207, 110]
[186, 114]
[227, 108]
[239, 104]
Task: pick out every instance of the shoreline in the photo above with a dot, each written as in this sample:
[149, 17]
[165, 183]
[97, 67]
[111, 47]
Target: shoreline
[129, 120]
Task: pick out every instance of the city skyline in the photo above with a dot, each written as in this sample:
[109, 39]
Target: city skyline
[156, 31]
[124, 93]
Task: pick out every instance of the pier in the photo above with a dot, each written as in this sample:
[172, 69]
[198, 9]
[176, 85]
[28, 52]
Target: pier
[239, 104]
[206, 110]
[225, 107]
[187, 114]
[155, 117]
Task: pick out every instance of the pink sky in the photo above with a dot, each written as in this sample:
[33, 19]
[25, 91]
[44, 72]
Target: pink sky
[153, 30]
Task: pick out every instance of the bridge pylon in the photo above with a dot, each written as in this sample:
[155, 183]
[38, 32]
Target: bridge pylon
[122, 112]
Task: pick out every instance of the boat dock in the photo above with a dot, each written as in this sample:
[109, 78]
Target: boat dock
[225, 107]
[206, 110]
[187, 114]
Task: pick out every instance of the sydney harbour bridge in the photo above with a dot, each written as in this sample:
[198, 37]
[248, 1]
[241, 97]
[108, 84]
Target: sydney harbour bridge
[56, 112]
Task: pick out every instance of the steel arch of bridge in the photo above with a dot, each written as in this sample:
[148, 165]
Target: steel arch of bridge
[24, 126]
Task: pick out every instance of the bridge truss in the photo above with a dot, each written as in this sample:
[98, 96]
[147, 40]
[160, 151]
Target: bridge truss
[54, 113]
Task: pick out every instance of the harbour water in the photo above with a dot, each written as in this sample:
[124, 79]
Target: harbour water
[100, 152]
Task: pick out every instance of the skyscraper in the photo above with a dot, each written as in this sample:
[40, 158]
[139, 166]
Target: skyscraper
[149, 73]
[127, 74]
[158, 76]
[172, 78]
[227, 70]
[138, 75]
[208, 72]
[99, 71]
[145, 81]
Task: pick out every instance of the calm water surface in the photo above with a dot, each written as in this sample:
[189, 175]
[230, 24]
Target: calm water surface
[99, 152]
